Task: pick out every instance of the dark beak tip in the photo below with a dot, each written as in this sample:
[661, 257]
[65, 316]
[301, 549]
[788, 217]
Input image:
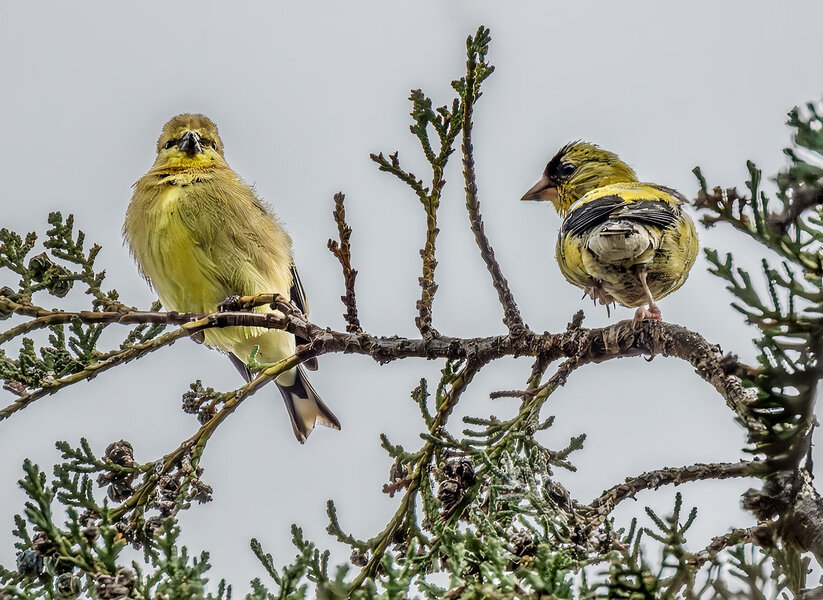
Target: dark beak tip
[540, 191]
[190, 143]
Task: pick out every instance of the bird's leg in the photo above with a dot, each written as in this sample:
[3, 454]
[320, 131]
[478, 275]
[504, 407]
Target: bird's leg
[651, 313]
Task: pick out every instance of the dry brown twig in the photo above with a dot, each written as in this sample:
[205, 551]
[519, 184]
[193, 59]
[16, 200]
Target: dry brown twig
[342, 251]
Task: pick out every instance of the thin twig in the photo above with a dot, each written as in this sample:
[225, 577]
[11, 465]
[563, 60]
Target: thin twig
[342, 251]
[757, 535]
[430, 199]
[511, 314]
[533, 400]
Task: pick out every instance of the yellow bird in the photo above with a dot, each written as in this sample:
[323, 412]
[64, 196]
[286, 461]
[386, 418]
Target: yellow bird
[200, 235]
[621, 240]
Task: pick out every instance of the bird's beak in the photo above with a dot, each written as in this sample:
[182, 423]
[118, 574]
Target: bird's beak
[190, 143]
[542, 190]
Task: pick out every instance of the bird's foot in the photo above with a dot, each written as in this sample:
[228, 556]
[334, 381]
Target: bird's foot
[230, 304]
[652, 313]
[600, 296]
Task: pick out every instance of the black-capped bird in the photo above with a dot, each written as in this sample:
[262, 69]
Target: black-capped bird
[201, 235]
[620, 240]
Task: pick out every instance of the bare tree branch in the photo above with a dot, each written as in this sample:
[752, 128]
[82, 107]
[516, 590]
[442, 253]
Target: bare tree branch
[622, 339]
[757, 535]
[343, 253]
[610, 498]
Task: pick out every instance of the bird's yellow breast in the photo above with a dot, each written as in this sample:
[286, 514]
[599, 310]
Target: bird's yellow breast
[202, 237]
[169, 255]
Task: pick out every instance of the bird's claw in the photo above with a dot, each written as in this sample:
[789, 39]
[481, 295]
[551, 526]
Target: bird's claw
[652, 313]
[230, 304]
[599, 295]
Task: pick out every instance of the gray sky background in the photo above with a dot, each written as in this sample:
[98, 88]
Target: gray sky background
[302, 93]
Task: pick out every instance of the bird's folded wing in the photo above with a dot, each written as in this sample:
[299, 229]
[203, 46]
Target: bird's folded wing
[298, 296]
[589, 214]
[298, 293]
[649, 212]
[241, 366]
[658, 208]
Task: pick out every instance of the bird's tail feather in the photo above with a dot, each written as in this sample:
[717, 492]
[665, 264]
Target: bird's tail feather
[305, 407]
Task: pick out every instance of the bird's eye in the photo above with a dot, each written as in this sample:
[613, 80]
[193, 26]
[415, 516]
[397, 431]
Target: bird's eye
[566, 169]
[169, 144]
[214, 145]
